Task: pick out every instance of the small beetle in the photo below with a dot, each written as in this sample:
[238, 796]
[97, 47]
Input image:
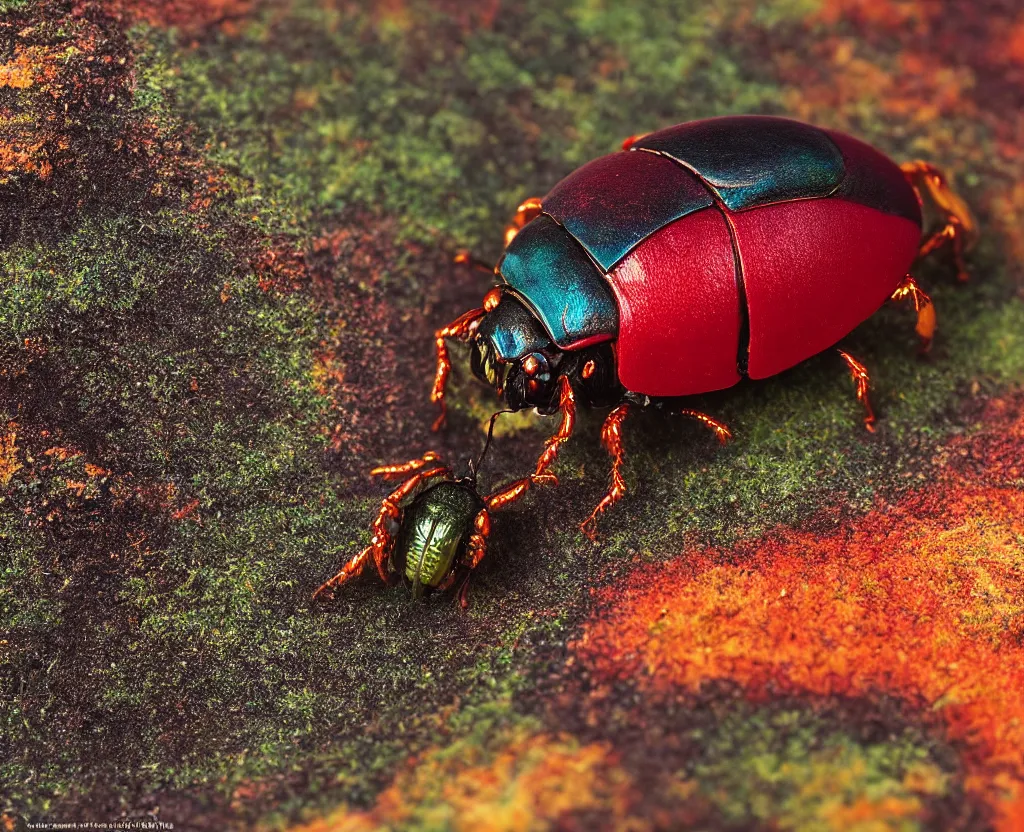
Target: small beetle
[697, 256]
[433, 528]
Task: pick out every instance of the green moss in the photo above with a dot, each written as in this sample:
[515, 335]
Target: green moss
[790, 770]
[156, 573]
[448, 130]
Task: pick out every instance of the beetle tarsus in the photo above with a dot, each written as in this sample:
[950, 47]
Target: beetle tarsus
[861, 381]
[611, 438]
[512, 492]
[528, 209]
[465, 258]
[722, 432]
[391, 471]
[926, 321]
[959, 227]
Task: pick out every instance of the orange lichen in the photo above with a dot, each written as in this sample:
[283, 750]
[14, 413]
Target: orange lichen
[18, 73]
[849, 71]
[534, 781]
[884, 13]
[1015, 42]
[281, 267]
[923, 600]
[10, 463]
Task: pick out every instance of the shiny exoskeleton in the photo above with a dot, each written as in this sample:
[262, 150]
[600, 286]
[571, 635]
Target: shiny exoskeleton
[431, 532]
[698, 256]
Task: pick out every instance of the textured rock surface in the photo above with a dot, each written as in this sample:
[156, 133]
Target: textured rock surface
[226, 231]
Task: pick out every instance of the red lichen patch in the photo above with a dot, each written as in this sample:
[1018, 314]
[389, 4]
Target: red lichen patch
[533, 782]
[56, 488]
[64, 115]
[281, 267]
[922, 600]
[890, 14]
[191, 17]
[1015, 43]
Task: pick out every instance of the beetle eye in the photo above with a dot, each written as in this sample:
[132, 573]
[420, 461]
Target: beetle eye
[535, 364]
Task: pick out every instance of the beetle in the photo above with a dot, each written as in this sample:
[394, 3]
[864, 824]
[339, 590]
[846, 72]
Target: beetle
[432, 530]
[695, 257]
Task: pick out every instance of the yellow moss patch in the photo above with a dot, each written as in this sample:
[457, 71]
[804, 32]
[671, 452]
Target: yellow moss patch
[535, 782]
[9, 462]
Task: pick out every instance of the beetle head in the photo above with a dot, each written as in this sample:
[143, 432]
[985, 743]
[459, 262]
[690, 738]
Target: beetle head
[512, 353]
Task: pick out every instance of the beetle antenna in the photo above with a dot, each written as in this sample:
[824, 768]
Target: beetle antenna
[474, 465]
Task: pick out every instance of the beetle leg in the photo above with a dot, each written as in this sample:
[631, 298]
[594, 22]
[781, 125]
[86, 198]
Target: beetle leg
[722, 432]
[861, 380]
[465, 258]
[476, 549]
[461, 328]
[611, 438]
[632, 140]
[567, 406]
[909, 290]
[959, 226]
[350, 570]
[390, 471]
[528, 210]
[512, 492]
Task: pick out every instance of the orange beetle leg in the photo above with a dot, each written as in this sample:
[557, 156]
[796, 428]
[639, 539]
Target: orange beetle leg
[959, 228]
[465, 258]
[392, 471]
[722, 432]
[475, 551]
[350, 570]
[861, 380]
[611, 438]
[567, 406]
[528, 210]
[926, 322]
[461, 328]
[632, 140]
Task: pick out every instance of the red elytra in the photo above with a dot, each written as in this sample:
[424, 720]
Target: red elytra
[812, 271]
[679, 309]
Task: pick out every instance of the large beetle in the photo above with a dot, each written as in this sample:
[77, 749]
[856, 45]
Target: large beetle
[697, 256]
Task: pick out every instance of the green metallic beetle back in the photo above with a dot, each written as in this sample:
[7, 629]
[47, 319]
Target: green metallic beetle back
[435, 528]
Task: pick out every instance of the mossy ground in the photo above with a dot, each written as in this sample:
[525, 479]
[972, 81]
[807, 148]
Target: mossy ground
[225, 248]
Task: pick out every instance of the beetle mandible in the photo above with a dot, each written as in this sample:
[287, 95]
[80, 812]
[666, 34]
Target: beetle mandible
[697, 256]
